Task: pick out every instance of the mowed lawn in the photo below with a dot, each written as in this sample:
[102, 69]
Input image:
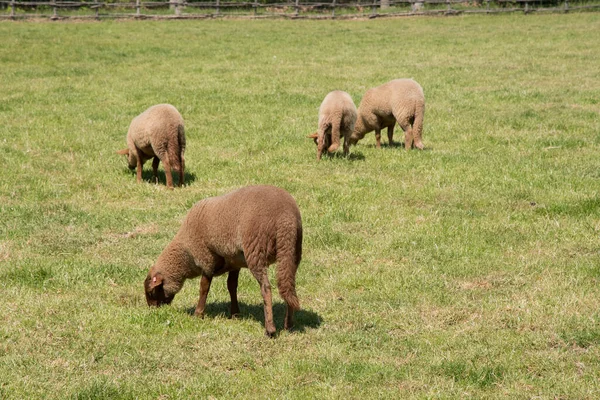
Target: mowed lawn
[469, 269]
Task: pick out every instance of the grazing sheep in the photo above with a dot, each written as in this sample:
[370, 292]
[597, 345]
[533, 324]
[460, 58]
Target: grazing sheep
[157, 132]
[400, 100]
[337, 116]
[252, 228]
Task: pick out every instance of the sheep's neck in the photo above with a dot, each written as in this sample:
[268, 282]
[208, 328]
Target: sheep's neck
[177, 264]
[360, 128]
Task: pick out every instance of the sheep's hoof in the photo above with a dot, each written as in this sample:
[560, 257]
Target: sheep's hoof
[270, 332]
[235, 315]
[199, 314]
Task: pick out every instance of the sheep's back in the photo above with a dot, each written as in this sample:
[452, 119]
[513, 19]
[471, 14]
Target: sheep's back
[153, 127]
[337, 100]
[381, 100]
[405, 90]
[226, 222]
[337, 105]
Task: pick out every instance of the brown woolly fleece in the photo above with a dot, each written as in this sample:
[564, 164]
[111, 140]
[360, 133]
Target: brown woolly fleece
[400, 100]
[251, 227]
[157, 133]
[337, 116]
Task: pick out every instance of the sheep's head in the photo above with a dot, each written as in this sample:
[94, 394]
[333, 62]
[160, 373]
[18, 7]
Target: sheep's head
[131, 160]
[355, 137]
[353, 140]
[358, 132]
[314, 136]
[156, 295]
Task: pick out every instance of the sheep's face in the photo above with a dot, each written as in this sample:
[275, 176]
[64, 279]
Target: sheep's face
[131, 162]
[326, 138]
[355, 137]
[131, 159]
[155, 291]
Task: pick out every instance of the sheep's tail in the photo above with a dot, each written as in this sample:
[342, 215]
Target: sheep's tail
[177, 153]
[335, 134]
[289, 254]
[417, 128]
[181, 146]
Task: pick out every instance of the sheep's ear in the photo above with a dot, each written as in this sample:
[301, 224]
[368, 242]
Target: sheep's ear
[156, 281]
[124, 152]
[313, 136]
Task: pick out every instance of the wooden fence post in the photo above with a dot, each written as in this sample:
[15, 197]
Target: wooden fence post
[137, 8]
[487, 5]
[218, 12]
[526, 10]
[12, 8]
[566, 6]
[416, 5]
[177, 9]
[297, 8]
[448, 9]
[54, 14]
[333, 9]
[255, 6]
[374, 9]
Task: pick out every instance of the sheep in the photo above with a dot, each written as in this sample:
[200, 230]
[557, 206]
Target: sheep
[251, 227]
[400, 100]
[337, 116]
[157, 132]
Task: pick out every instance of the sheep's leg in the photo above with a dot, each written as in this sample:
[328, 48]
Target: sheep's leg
[408, 137]
[288, 323]
[327, 141]
[181, 170]
[204, 288]
[155, 163]
[390, 132]
[378, 137]
[232, 285]
[265, 289]
[321, 143]
[335, 136]
[320, 147]
[140, 165]
[167, 165]
[417, 129]
[346, 145]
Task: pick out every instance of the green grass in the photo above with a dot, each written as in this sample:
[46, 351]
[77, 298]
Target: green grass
[470, 269]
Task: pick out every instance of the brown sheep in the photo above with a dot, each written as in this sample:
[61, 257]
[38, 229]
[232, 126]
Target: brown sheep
[251, 227]
[400, 100]
[337, 116]
[157, 132]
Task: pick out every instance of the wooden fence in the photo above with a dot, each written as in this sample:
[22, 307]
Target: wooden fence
[181, 9]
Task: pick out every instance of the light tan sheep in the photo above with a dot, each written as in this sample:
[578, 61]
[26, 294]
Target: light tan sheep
[400, 100]
[252, 228]
[337, 116]
[157, 132]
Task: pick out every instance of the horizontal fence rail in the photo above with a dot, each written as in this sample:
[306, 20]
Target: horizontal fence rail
[11, 9]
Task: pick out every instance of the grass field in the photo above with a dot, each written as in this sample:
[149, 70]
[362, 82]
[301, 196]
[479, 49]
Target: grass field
[469, 269]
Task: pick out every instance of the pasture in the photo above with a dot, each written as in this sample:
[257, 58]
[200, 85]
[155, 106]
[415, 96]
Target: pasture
[468, 270]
